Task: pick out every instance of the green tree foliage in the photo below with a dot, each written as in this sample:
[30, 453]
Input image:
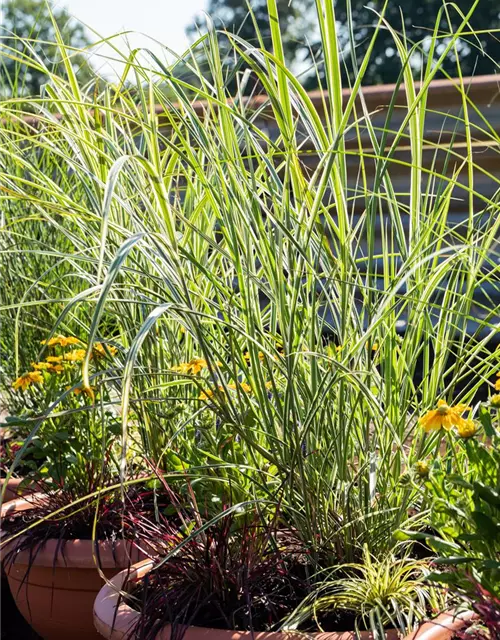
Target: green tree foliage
[297, 21]
[295, 17]
[415, 20]
[412, 20]
[27, 30]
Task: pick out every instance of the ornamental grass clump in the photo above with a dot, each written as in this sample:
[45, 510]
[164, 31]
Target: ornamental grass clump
[237, 572]
[379, 593]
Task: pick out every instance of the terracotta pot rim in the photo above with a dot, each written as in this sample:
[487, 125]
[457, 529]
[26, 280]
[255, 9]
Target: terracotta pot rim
[83, 554]
[115, 620]
[12, 491]
[444, 626]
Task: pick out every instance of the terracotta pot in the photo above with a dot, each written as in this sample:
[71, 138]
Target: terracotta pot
[115, 620]
[443, 627]
[12, 492]
[55, 585]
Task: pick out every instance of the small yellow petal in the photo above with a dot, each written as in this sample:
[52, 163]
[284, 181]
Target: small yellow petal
[467, 429]
[422, 468]
[495, 400]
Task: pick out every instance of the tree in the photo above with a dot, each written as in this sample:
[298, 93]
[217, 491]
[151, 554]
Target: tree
[296, 22]
[478, 52]
[28, 23]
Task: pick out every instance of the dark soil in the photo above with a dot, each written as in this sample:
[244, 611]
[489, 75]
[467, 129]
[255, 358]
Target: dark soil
[12, 624]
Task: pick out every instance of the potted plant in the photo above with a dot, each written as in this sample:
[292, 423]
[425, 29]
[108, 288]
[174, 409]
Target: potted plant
[462, 486]
[60, 543]
[242, 573]
[20, 484]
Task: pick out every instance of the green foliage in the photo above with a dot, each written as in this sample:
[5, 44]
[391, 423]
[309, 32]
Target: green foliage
[385, 592]
[72, 447]
[463, 489]
[28, 46]
[254, 299]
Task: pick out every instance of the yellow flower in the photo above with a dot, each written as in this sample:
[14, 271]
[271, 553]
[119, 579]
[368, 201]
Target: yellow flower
[182, 368]
[375, 346]
[444, 417]
[54, 359]
[422, 468]
[41, 366]
[209, 393]
[206, 395]
[77, 355]
[51, 366]
[100, 350]
[193, 367]
[467, 429]
[27, 379]
[56, 368]
[497, 383]
[495, 400]
[242, 385]
[88, 391]
[66, 342]
[63, 341]
[260, 355]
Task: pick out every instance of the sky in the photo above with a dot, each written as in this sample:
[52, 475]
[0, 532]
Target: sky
[163, 20]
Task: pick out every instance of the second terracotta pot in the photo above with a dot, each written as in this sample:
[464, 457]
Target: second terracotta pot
[115, 620]
[444, 627]
[55, 585]
[13, 490]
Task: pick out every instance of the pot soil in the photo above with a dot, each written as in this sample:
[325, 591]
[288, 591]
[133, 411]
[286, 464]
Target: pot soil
[55, 583]
[116, 620]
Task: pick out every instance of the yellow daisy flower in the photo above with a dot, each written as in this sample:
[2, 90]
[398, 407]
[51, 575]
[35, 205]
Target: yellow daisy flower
[56, 368]
[99, 350]
[54, 359]
[41, 366]
[242, 385]
[88, 391]
[443, 417]
[51, 366]
[422, 468]
[467, 429]
[206, 395]
[24, 381]
[497, 383]
[495, 400]
[77, 355]
[63, 341]
[192, 367]
[209, 393]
